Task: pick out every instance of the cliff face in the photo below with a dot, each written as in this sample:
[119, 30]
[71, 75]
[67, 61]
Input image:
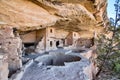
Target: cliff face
[83, 16]
[78, 15]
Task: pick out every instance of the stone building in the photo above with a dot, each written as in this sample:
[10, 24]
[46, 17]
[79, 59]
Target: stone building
[49, 38]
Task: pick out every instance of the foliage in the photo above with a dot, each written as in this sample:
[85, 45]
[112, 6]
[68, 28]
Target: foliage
[108, 49]
[117, 66]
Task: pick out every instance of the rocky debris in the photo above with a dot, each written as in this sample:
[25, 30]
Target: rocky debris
[89, 54]
[18, 75]
[11, 46]
[3, 67]
[82, 69]
[29, 50]
[67, 72]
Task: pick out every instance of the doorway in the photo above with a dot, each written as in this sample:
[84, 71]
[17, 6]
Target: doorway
[57, 43]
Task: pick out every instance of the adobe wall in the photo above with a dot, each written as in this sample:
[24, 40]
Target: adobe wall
[11, 45]
[40, 40]
[50, 41]
[47, 38]
[40, 48]
[84, 34]
[29, 37]
[83, 42]
[61, 33]
[40, 34]
[69, 39]
[3, 67]
[75, 36]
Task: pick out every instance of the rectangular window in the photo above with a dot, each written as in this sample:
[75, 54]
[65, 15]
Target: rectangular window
[51, 31]
[51, 44]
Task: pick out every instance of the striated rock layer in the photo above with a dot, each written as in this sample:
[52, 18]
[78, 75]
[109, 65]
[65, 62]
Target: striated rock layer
[78, 15]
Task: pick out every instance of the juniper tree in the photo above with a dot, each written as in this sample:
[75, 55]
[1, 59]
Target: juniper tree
[108, 49]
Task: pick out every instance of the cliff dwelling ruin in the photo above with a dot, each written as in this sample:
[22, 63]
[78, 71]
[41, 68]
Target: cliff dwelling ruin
[51, 37]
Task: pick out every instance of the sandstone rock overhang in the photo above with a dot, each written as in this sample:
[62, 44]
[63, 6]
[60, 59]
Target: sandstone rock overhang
[75, 15]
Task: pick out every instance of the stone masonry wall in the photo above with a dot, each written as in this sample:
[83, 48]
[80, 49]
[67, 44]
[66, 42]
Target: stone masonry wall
[3, 67]
[11, 46]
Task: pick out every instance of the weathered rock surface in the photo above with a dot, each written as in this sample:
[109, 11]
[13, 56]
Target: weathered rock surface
[78, 15]
[40, 69]
[84, 16]
[11, 45]
[81, 42]
[3, 67]
[40, 48]
[67, 72]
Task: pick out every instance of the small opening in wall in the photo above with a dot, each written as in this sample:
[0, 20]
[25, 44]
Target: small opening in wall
[13, 59]
[28, 48]
[9, 42]
[40, 25]
[51, 31]
[57, 43]
[51, 44]
[28, 44]
[74, 34]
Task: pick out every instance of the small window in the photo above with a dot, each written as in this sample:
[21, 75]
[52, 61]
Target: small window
[50, 43]
[51, 31]
[74, 34]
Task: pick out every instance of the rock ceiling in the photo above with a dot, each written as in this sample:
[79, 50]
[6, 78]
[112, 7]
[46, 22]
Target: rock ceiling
[76, 15]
